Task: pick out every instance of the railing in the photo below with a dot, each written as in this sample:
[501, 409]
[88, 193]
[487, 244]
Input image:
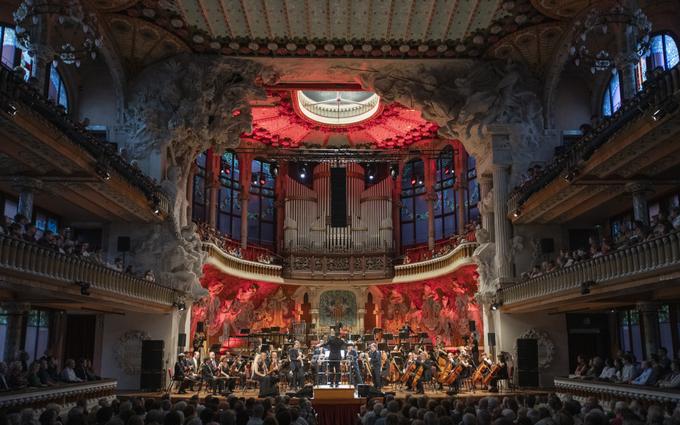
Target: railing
[648, 256]
[459, 256]
[20, 256]
[242, 268]
[606, 391]
[354, 265]
[15, 89]
[655, 93]
[65, 395]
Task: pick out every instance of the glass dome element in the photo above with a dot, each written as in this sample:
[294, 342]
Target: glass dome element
[338, 107]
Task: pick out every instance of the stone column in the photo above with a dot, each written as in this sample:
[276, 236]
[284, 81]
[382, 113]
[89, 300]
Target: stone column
[485, 188]
[27, 187]
[639, 191]
[245, 164]
[501, 160]
[649, 313]
[17, 317]
[430, 197]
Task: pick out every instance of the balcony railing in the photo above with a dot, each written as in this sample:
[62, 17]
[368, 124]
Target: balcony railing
[245, 269]
[33, 259]
[656, 93]
[14, 89]
[434, 267]
[65, 396]
[654, 255]
[605, 391]
[329, 266]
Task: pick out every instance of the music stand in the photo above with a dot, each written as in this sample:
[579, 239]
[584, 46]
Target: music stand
[382, 346]
[355, 337]
[246, 332]
[403, 335]
[423, 335]
[368, 337]
[275, 329]
[388, 337]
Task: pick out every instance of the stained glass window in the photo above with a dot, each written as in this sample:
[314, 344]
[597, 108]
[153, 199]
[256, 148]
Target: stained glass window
[472, 197]
[663, 54]
[37, 333]
[413, 204]
[261, 208]
[228, 198]
[611, 100]
[199, 207]
[56, 90]
[11, 55]
[445, 217]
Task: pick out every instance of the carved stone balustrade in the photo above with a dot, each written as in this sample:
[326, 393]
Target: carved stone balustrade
[435, 267]
[65, 395]
[23, 263]
[330, 266]
[655, 257]
[610, 392]
[239, 267]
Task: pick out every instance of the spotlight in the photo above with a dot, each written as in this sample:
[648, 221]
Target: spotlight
[103, 171]
[570, 175]
[370, 171]
[447, 170]
[274, 169]
[254, 178]
[394, 171]
[420, 180]
[496, 305]
[156, 205]
[413, 181]
[10, 109]
[180, 305]
[517, 213]
[303, 171]
[84, 288]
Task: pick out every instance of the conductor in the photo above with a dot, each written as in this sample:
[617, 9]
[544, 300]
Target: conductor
[334, 345]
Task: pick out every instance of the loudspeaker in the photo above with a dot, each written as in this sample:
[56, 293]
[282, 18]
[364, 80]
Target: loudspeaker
[200, 326]
[527, 362]
[491, 336]
[547, 246]
[151, 378]
[123, 243]
[182, 340]
[338, 197]
[473, 326]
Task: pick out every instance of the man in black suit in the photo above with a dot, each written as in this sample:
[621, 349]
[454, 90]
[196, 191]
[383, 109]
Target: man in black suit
[179, 376]
[335, 345]
[375, 359]
[295, 357]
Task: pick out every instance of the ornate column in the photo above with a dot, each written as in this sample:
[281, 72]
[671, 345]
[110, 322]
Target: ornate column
[280, 205]
[361, 314]
[649, 313]
[501, 160]
[245, 164]
[214, 163]
[485, 206]
[429, 165]
[17, 317]
[639, 191]
[396, 210]
[26, 187]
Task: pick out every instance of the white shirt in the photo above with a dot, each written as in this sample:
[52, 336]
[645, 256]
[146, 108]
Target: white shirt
[608, 372]
[69, 375]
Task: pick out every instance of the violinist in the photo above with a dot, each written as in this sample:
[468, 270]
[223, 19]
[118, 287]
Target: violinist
[295, 357]
[318, 369]
[375, 359]
[273, 367]
[261, 374]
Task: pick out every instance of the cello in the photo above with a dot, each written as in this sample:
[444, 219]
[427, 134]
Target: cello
[492, 372]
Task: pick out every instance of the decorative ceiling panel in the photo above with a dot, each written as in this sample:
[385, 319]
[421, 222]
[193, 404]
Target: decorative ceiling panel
[336, 28]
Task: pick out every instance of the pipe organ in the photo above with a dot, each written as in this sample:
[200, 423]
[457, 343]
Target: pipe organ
[369, 211]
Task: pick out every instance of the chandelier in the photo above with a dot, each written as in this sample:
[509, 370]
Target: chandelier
[629, 26]
[73, 31]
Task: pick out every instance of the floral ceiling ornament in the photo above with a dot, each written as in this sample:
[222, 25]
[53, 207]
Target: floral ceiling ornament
[74, 36]
[627, 23]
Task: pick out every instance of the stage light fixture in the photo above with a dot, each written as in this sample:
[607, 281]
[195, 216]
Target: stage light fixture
[413, 181]
[394, 171]
[370, 171]
[420, 181]
[103, 171]
[226, 170]
[496, 305]
[585, 287]
[84, 288]
[303, 171]
[254, 178]
[517, 213]
[156, 205]
[570, 175]
[274, 169]
[10, 109]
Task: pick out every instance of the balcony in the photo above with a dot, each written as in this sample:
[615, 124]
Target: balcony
[435, 267]
[239, 267]
[642, 267]
[636, 143]
[605, 391]
[27, 267]
[65, 395]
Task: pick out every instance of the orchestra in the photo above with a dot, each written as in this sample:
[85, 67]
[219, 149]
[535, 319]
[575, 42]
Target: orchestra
[412, 365]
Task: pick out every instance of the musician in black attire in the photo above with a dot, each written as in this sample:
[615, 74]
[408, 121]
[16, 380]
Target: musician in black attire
[318, 364]
[179, 376]
[335, 345]
[295, 357]
[354, 372]
[375, 359]
[208, 374]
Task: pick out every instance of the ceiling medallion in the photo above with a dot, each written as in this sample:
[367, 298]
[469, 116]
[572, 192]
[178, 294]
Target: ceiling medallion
[629, 26]
[75, 34]
[337, 107]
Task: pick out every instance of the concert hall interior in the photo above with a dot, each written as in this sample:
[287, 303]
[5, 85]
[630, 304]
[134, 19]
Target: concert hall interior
[339, 200]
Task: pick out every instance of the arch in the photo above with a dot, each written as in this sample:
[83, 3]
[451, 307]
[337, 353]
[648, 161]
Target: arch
[446, 202]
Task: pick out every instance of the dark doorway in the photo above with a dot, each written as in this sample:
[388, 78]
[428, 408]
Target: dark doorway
[80, 334]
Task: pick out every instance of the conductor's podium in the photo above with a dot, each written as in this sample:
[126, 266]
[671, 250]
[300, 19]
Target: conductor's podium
[342, 392]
